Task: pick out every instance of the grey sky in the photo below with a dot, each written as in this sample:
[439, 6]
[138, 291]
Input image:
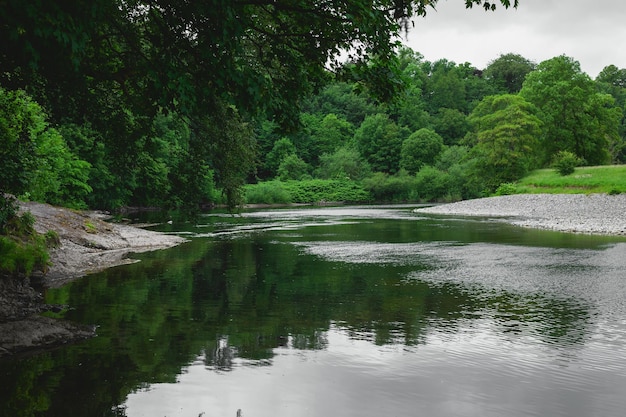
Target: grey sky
[592, 32]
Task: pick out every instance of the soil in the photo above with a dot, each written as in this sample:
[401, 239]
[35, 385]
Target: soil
[88, 244]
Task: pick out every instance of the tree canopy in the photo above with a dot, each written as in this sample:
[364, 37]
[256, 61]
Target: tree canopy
[110, 66]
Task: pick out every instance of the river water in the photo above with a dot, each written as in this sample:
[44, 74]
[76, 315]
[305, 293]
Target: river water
[353, 311]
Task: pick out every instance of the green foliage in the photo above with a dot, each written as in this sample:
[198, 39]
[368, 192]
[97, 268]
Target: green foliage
[505, 132]
[565, 162]
[22, 250]
[281, 149]
[576, 117]
[293, 167]
[506, 188]
[419, 149]
[315, 191]
[306, 192]
[341, 99]
[318, 135]
[60, 178]
[379, 139]
[8, 210]
[52, 239]
[392, 188]
[586, 180]
[433, 184]
[21, 121]
[451, 125]
[268, 192]
[445, 87]
[346, 162]
[35, 158]
[508, 72]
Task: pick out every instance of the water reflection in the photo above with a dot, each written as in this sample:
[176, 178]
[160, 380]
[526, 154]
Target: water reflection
[343, 312]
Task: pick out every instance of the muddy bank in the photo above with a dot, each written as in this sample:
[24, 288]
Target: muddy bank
[88, 244]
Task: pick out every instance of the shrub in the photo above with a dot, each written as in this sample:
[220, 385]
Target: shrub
[433, 184]
[506, 188]
[399, 187]
[565, 162]
[8, 210]
[22, 250]
[314, 191]
[271, 192]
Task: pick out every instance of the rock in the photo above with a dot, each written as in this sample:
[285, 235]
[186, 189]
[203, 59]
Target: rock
[87, 244]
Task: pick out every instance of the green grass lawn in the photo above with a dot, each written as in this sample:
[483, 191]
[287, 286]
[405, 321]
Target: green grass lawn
[609, 179]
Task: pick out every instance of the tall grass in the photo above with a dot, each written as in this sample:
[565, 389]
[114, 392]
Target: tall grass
[609, 179]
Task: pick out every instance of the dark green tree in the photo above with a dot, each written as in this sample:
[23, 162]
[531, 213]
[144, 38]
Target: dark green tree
[282, 148]
[379, 139]
[508, 71]
[451, 124]
[612, 80]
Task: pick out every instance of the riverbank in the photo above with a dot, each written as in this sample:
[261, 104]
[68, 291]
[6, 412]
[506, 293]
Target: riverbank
[574, 213]
[87, 244]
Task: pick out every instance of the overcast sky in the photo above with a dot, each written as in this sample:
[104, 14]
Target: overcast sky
[592, 32]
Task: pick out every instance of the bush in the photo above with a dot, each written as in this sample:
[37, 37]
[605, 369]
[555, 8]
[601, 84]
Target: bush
[506, 188]
[315, 191]
[8, 210]
[22, 250]
[271, 192]
[565, 162]
[393, 188]
[433, 184]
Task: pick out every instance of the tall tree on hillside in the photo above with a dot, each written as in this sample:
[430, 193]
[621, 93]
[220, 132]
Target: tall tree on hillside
[576, 117]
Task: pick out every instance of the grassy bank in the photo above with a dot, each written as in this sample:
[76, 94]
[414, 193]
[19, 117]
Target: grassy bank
[609, 179]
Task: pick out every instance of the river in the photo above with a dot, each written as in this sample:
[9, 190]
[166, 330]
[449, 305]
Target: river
[349, 311]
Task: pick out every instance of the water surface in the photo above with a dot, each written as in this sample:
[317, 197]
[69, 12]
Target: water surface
[356, 311]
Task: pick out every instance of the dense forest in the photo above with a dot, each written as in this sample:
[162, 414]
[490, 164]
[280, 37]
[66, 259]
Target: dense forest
[109, 104]
[451, 132]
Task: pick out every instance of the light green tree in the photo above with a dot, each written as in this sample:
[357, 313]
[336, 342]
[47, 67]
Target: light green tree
[505, 139]
[419, 149]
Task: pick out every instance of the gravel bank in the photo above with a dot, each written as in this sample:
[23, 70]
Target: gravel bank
[577, 213]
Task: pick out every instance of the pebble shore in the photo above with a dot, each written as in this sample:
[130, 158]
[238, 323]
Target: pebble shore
[576, 213]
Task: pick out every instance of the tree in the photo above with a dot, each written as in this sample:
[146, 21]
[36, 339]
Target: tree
[115, 64]
[451, 124]
[508, 71]
[505, 139]
[612, 80]
[345, 162]
[419, 149]
[445, 87]
[576, 117]
[293, 167]
[282, 148]
[379, 140]
[35, 158]
[320, 135]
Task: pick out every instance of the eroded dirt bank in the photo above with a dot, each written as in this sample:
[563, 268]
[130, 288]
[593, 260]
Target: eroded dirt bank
[88, 244]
